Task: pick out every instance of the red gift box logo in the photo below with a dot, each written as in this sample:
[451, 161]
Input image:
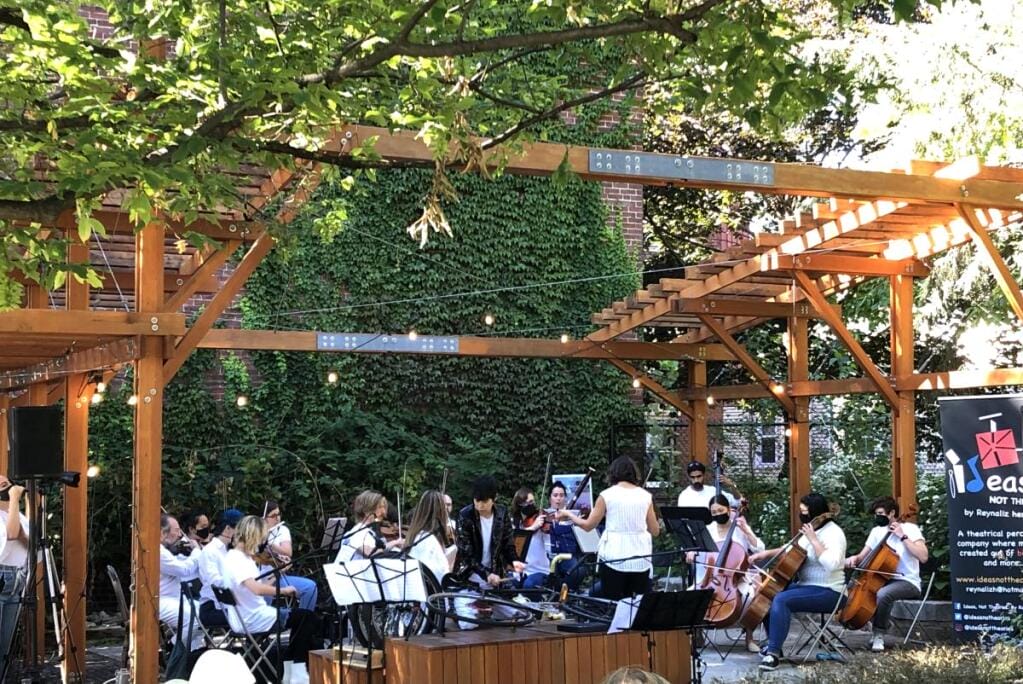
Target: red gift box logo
[997, 449]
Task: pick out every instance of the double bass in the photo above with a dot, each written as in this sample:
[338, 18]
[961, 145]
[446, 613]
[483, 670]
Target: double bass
[778, 573]
[724, 576]
[872, 573]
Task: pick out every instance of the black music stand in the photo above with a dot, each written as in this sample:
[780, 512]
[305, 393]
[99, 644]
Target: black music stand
[667, 610]
[688, 527]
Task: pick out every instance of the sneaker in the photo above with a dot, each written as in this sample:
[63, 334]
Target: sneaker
[753, 647]
[769, 662]
[877, 643]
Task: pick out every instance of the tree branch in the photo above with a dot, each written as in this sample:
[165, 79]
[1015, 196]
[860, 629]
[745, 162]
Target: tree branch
[44, 210]
[12, 17]
[414, 20]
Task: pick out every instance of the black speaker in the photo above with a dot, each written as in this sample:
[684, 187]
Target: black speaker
[36, 438]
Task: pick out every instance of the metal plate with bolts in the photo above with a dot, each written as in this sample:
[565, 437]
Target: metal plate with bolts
[377, 343]
[670, 167]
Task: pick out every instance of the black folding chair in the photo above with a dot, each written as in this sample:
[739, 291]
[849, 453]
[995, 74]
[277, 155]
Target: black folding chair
[260, 649]
[930, 571]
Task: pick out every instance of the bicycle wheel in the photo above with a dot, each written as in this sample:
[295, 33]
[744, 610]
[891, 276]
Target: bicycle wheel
[589, 608]
[373, 622]
[478, 609]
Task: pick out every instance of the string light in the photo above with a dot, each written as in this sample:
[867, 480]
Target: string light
[710, 400]
[242, 401]
[788, 432]
[133, 399]
[777, 388]
[101, 387]
[564, 338]
[332, 378]
[93, 471]
[488, 319]
[413, 335]
[96, 398]
[636, 383]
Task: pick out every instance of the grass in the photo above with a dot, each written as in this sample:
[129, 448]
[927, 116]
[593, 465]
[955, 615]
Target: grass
[932, 665]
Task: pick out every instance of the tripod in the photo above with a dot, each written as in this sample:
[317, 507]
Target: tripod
[40, 552]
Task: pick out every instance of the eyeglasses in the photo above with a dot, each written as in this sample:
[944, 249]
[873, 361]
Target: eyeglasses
[275, 514]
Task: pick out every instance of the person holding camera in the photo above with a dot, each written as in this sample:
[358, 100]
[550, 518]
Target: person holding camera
[13, 563]
[178, 564]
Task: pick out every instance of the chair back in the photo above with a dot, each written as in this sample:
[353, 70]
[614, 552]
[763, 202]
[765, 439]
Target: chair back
[191, 589]
[224, 595]
[122, 606]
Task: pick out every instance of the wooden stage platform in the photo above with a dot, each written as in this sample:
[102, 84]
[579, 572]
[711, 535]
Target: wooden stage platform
[536, 654]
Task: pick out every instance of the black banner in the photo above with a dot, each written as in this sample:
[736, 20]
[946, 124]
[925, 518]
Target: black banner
[982, 438]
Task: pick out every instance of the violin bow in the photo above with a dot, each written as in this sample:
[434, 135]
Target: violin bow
[444, 482]
[546, 478]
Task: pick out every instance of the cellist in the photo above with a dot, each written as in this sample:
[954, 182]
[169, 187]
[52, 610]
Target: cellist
[819, 584]
[907, 541]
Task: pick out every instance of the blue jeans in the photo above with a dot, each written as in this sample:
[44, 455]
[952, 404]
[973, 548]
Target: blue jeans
[535, 580]
[796, 599]
[13, 580]
[307, 592]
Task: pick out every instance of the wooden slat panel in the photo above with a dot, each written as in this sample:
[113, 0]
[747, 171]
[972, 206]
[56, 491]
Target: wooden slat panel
[586, 673]
[465, 666]
[449, 657]
[492, 665]
[545, 662]
[570, 662]
[506, 673]
[530, 661]
[478, 663]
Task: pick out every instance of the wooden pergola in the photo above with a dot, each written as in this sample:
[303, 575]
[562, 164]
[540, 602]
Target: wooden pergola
[866, 224]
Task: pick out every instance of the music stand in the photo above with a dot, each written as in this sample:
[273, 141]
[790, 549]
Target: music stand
[685, 610]
[333, 532]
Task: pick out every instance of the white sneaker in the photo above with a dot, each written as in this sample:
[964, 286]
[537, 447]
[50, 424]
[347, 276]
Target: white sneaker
[877, 643]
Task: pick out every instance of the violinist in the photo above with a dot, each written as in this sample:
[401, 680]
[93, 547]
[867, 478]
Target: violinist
[530, 519]
[486, 546]
[819, 583]
[625, 550]
[451, 519]
[364, 539]
[697, 494]
[428, 533]
[278, 545]
[562, 539]
[908, 543]
[196, 526]
[722, 514]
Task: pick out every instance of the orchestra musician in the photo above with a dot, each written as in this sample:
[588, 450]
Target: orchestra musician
[427, 537]
[697, 494]
[241, 574]
[196, 527]
[528, 518]
[364, 539]
[13, 564]
[820, 580]
[486, 547]
[177, 564]
[624, 554]
[562, 540]
[211, 561]
[908, 543]
[722, 513]
[451, 519]
[278, 543]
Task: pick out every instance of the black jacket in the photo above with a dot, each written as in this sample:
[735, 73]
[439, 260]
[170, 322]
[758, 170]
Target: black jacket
[470, 543]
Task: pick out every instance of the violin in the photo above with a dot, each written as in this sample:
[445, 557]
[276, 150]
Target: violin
[779, 572]
[388, 530]
[872, 573]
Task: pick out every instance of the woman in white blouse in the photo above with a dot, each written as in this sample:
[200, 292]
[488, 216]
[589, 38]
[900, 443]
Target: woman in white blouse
[427, 535]
[364, 539]
[627, 543]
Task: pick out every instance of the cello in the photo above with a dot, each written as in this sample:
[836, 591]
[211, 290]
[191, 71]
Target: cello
[872, 573]
[723, 577]
[779, 572]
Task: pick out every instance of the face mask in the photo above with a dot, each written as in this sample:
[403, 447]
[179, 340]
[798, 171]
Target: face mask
[805, 518]
[528, 510]
[697, 486]
[720, 519]
[881, 521]
[202, 532]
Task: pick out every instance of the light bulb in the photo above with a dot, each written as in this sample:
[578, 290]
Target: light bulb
[242, 401]
[488, 319]
[332, 377]
[413, 335]
[101, 387]
[788, 432]
[564, 338]
[93, 471]
[96, 398]
[710, 400]
[636, 383]
[133, 399]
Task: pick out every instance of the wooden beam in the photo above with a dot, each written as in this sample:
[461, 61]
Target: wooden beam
[987, 249]
[76, 513]
[904, 419]
[148, 441]
[699, 447]
[717, 306]
[657, 389]
[305, 340]
[106, 355]
[789, 179]
[118, 222]
[754, 368]
[98, 323]
[829, 263]
[205, 273]
[850, 342]
[202, 325]
[798, 356]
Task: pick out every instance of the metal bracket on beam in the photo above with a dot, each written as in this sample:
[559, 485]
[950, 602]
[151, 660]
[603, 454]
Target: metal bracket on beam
[366, 342]
[669, 167]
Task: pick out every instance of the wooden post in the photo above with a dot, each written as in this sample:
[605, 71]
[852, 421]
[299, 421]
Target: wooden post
[698, 446]
[148, 438]
[904, 419]
[77, 394]
[798, 424]
[5, 406]
[37, 298]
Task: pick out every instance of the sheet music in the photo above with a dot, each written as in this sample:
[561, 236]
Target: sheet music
[355, 581]
[625, 614]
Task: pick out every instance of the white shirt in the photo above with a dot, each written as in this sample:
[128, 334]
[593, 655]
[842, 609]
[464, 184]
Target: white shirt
[174, 570]
[718, 534]
[487, 531]
[210, 571]
[909, 567]
[625, 532]
[13, 552]
[690, 498]
[279, 534]
[828, 569]
[359, 537]
[429, 552]
[536, 554]
[255, 613]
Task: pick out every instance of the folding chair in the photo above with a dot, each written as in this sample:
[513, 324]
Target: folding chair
[214, 637]
[259, 649]
[930, 570]
[824, 630]
[122, 606]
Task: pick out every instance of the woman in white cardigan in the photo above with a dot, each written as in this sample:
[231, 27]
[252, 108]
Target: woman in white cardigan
[818, 586]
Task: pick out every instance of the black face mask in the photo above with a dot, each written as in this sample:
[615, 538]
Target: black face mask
[720, 519]
[881, 521]
[202, 532]
[805, 518]
[528, 510]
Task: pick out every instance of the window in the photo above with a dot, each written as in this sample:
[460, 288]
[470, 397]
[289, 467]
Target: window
[768, 450]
